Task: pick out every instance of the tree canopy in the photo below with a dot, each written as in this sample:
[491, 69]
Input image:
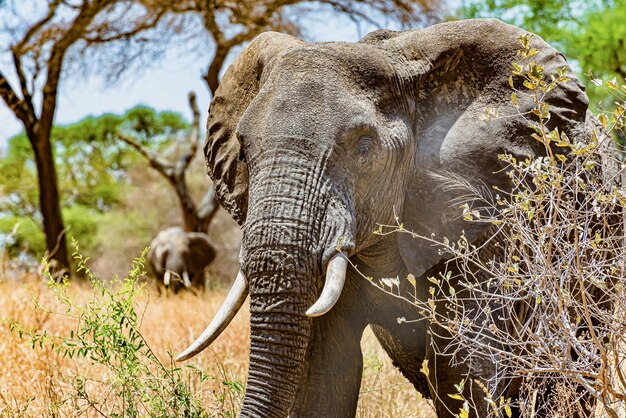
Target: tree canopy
[92, 164]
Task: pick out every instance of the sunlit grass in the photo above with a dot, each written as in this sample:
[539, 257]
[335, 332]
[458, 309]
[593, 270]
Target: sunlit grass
[37, 382]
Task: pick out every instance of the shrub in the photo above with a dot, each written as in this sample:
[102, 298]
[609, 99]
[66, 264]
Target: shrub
[547, 287]
[107, 335]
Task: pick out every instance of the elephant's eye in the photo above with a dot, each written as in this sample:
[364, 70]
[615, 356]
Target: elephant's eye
[365, 150]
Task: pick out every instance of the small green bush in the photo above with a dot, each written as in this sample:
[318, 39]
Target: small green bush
[25, 235]
[108, 335]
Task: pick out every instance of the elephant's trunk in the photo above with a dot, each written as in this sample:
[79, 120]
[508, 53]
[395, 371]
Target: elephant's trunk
[281, 290]
[290, 231]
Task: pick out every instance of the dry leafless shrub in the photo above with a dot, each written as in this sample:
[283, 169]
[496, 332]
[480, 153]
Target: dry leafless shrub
[542, 297]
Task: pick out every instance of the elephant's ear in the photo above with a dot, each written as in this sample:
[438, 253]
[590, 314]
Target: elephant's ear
[201, 252]
[226, 161]
[452, 73]
[157, 255]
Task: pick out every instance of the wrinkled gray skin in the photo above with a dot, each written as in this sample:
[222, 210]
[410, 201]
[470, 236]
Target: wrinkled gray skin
[180, 252]
[312, 145]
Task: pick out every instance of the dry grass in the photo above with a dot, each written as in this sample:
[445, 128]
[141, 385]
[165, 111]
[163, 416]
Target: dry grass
[36, 382]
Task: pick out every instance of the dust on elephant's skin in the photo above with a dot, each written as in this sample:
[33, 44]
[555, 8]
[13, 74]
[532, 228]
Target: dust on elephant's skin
[178, 258]
[311, 146]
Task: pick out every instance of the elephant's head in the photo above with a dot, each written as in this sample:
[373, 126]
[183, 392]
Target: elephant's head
[177, 256]
[312, 145]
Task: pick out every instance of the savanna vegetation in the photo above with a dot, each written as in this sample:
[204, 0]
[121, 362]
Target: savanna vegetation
[101, 342]
[101, 346]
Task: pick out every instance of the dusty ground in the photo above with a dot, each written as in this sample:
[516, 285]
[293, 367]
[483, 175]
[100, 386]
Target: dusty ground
[36, 382]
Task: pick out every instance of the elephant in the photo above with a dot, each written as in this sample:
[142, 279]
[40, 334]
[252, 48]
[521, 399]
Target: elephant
[311, 146]
[178, 258]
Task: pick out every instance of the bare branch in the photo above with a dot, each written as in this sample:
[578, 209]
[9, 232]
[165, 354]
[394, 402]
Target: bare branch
[194, 137]
[19, 47]
[208, 208]
[166, 169]
[26, 94]
[125, 35]
[14, 103]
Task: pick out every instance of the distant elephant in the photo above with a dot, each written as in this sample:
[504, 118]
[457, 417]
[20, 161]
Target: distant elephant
[311, 146]
[178, 258]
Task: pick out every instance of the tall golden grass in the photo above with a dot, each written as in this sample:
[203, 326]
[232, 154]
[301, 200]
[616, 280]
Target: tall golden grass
[37, 382]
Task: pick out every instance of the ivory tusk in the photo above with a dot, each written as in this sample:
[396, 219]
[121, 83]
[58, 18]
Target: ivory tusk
[224, 315]
[335, 279]
[186, 280]
[167, 277]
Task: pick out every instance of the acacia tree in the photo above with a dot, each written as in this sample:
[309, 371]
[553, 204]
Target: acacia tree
[39, 53]
[196, 218]
[232, 23]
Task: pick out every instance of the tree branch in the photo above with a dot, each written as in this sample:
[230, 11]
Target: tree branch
[151, 23]
[26, 95]
[88, 12]
[207, 209]
[194, 136]
[21, 45]
[166, 169]
[14, 103]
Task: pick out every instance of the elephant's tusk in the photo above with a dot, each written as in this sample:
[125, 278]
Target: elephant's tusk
[224, 315]
[335, 278]
[186, 280]
[167, 277]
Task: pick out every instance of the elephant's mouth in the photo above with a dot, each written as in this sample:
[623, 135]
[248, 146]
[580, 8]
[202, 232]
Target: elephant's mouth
[335, 278]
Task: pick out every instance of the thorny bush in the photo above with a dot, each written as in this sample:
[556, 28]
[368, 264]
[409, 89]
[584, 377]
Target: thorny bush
[547, 287]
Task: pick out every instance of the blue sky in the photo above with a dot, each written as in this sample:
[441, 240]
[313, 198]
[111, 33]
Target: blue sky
[164, 87]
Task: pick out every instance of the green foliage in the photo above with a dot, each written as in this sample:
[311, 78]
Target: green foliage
[92, 164]
[18, 178]
[147, 124]
[108, 335]
[82, 223]
[27, 235]
[592, 33]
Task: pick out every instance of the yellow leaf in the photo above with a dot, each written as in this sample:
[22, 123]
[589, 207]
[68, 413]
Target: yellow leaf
[456, 396]
[507, 411]
[603, 120]
[411, 280]
[424, 368]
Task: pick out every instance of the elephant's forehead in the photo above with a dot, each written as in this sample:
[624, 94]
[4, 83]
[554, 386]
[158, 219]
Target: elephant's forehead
[345, 63]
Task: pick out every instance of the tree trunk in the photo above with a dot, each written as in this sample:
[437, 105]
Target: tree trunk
[49, 203]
